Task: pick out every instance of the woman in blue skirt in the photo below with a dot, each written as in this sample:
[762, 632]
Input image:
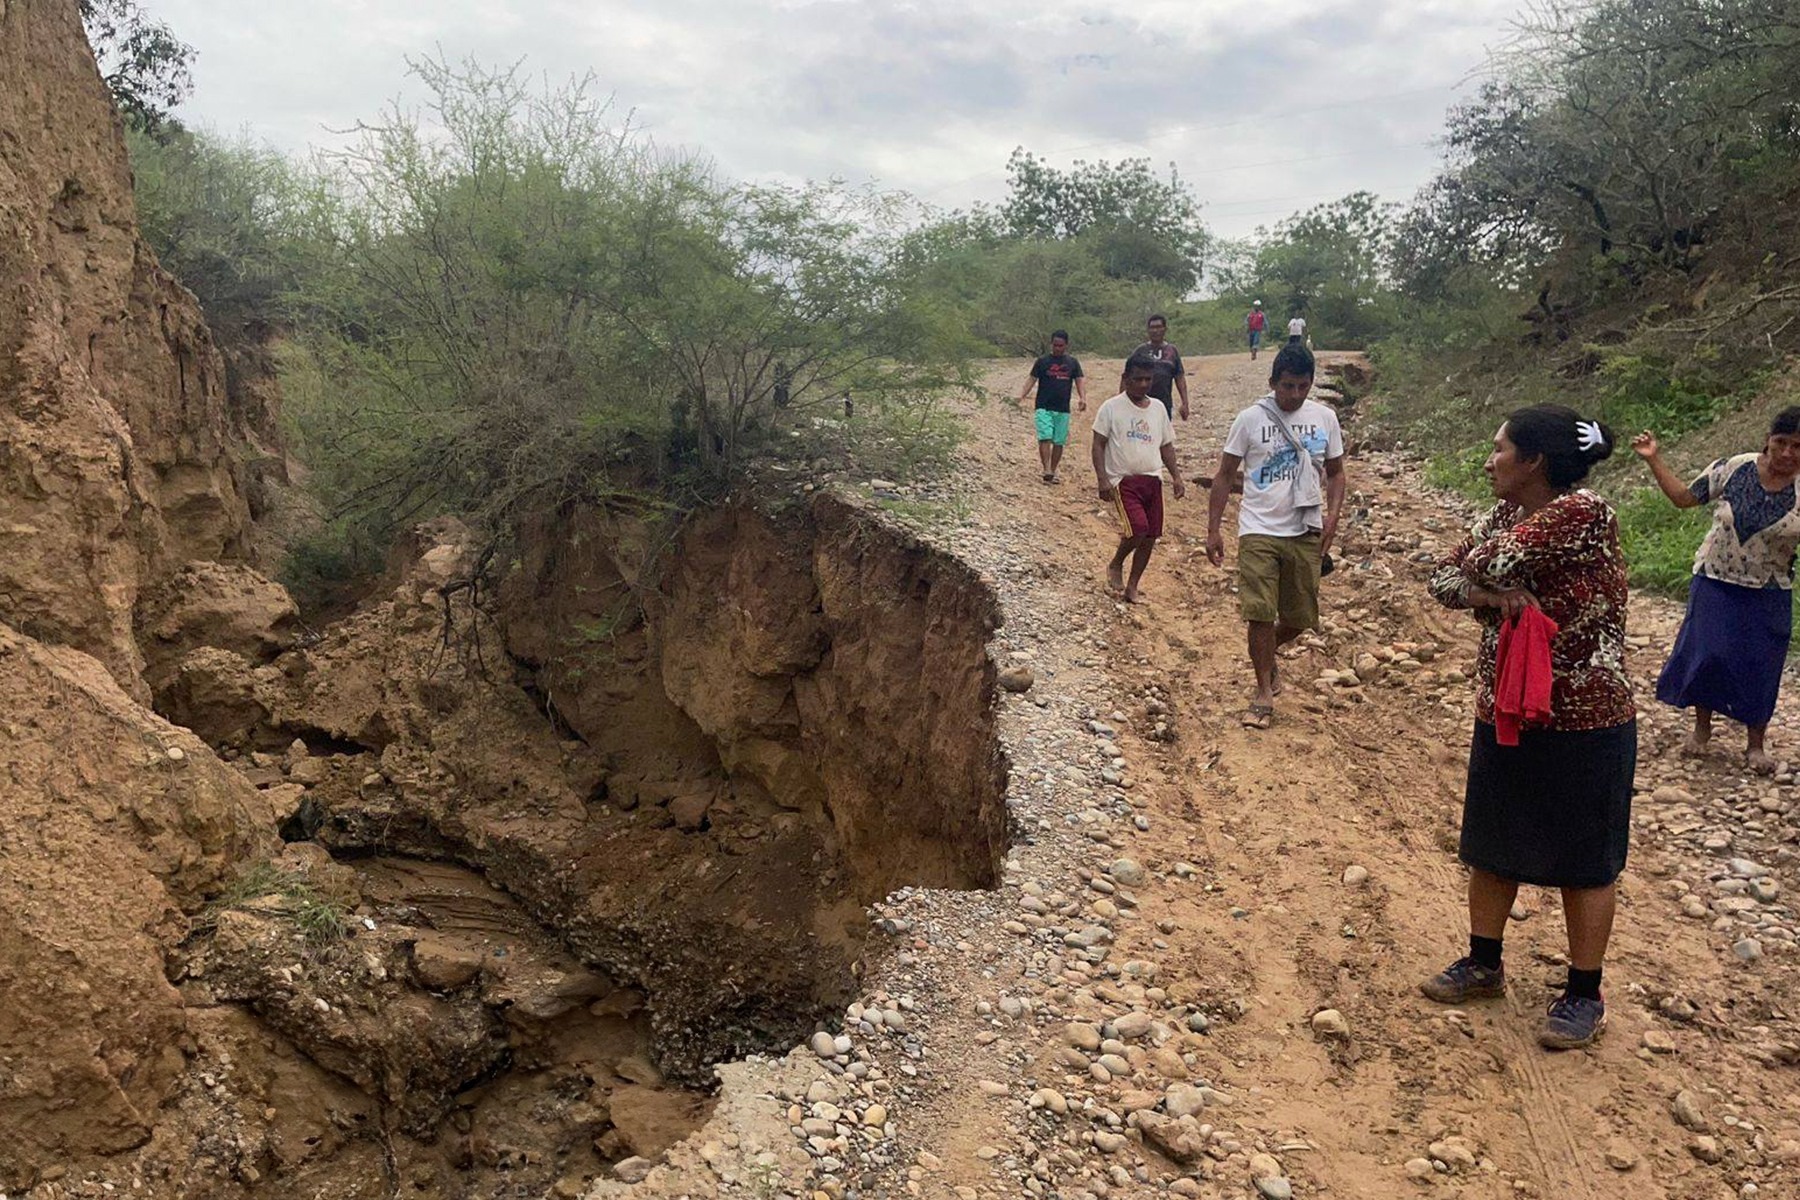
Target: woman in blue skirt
[1734, 641]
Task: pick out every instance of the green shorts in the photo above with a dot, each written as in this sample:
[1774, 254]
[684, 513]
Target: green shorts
[1278, 579]
[1053, 426]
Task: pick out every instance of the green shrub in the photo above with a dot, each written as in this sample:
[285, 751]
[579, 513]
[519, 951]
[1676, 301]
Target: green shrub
[1641, 392]
[1461, 471]
[1659, 540]
[320, 920]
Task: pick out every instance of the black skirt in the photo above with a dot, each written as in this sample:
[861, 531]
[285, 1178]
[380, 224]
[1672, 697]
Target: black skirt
[1555, 810]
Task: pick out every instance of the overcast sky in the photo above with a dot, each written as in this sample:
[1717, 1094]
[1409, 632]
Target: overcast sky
[1264, 108]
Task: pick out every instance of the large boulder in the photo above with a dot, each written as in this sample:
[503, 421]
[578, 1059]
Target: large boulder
[226, 606]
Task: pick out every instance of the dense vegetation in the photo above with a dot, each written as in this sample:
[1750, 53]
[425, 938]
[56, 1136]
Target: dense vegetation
[1610, 230]
[517, 302]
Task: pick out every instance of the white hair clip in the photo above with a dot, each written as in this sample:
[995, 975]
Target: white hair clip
[1589, 435]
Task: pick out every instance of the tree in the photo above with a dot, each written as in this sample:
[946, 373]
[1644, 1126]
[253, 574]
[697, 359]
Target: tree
[1142, 226]
[147, 68]
[1329, 264]
[524, 305]
[1617, 134]
[225, 218]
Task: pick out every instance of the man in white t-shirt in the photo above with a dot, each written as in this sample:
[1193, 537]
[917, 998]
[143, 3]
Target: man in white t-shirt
[1133, 441]
[1288, 517]
[1297, 331]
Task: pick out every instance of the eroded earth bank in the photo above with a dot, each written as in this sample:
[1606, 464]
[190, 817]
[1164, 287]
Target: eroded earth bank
[705, 859]
[468, 893]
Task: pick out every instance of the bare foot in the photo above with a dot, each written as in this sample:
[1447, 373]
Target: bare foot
[1131, 596]
[1759, 762]
[1695, 747]
[1115, 578]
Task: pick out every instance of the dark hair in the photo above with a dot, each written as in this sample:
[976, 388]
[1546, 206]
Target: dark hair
[1153, 318]
[1292, 360]
[1552, 432]
[1059, 333]
[1786, 423]
[1145, 365]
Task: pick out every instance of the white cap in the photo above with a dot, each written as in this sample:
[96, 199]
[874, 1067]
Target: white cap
[1258, 303]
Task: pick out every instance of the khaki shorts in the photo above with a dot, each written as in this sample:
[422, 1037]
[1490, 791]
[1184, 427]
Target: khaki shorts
[1278, 579]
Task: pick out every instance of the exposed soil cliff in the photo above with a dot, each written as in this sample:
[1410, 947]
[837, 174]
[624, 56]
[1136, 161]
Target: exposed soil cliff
[587, 837]
[120, 456]
[562, 835]
[837, 669]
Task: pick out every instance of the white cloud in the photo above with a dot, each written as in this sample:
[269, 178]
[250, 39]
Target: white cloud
[1263, 112]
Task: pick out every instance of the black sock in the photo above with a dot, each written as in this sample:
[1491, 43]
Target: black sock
[1585, 984]
[1485, 951]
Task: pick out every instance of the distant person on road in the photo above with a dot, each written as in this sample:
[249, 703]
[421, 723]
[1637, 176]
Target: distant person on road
[1134, 441]
[1553, 808]
[1291, 450]
[1740, 614]
[1256, 323]
[1171, 376]
[1054, 375]
[1297, 331]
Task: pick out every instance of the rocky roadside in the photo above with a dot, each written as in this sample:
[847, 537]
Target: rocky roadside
[1046, 1039]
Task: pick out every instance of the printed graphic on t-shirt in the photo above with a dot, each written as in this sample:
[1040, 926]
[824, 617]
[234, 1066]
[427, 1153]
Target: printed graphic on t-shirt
[1140, 431]
[1283, 465]
[1056, 375]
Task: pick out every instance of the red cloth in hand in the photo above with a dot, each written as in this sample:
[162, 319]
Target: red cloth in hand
[1523, 675]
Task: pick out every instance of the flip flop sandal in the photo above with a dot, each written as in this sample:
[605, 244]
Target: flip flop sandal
[1259, 716]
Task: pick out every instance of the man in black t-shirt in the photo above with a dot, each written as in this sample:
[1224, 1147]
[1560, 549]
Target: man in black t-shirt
[1171, 376]
[1056, 374]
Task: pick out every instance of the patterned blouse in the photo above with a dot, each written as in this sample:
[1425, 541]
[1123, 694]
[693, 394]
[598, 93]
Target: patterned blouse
[1567, 555]
[1754, 532]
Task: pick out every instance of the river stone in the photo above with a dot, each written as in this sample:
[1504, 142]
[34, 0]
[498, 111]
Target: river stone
[1686, 1111]
[1017, 679]
[1128, 872]
[633, 1169]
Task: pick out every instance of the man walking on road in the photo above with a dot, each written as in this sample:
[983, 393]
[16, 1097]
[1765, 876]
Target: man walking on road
[1256, 323]
[1297, 330]
[1171, 376]
[1288, 517]
[1134, 441]
[1055, 374]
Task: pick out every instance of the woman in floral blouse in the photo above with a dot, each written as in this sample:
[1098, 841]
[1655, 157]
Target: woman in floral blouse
[1740, 617]
[1555, 809]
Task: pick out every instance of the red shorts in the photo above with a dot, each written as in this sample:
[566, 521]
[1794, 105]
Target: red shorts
[1138, 499]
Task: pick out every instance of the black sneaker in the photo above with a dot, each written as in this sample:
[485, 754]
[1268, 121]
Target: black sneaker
[1572, 1022]
[1464, 980]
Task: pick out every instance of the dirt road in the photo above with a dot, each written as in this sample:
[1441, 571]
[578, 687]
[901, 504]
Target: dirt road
[1243, 923]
